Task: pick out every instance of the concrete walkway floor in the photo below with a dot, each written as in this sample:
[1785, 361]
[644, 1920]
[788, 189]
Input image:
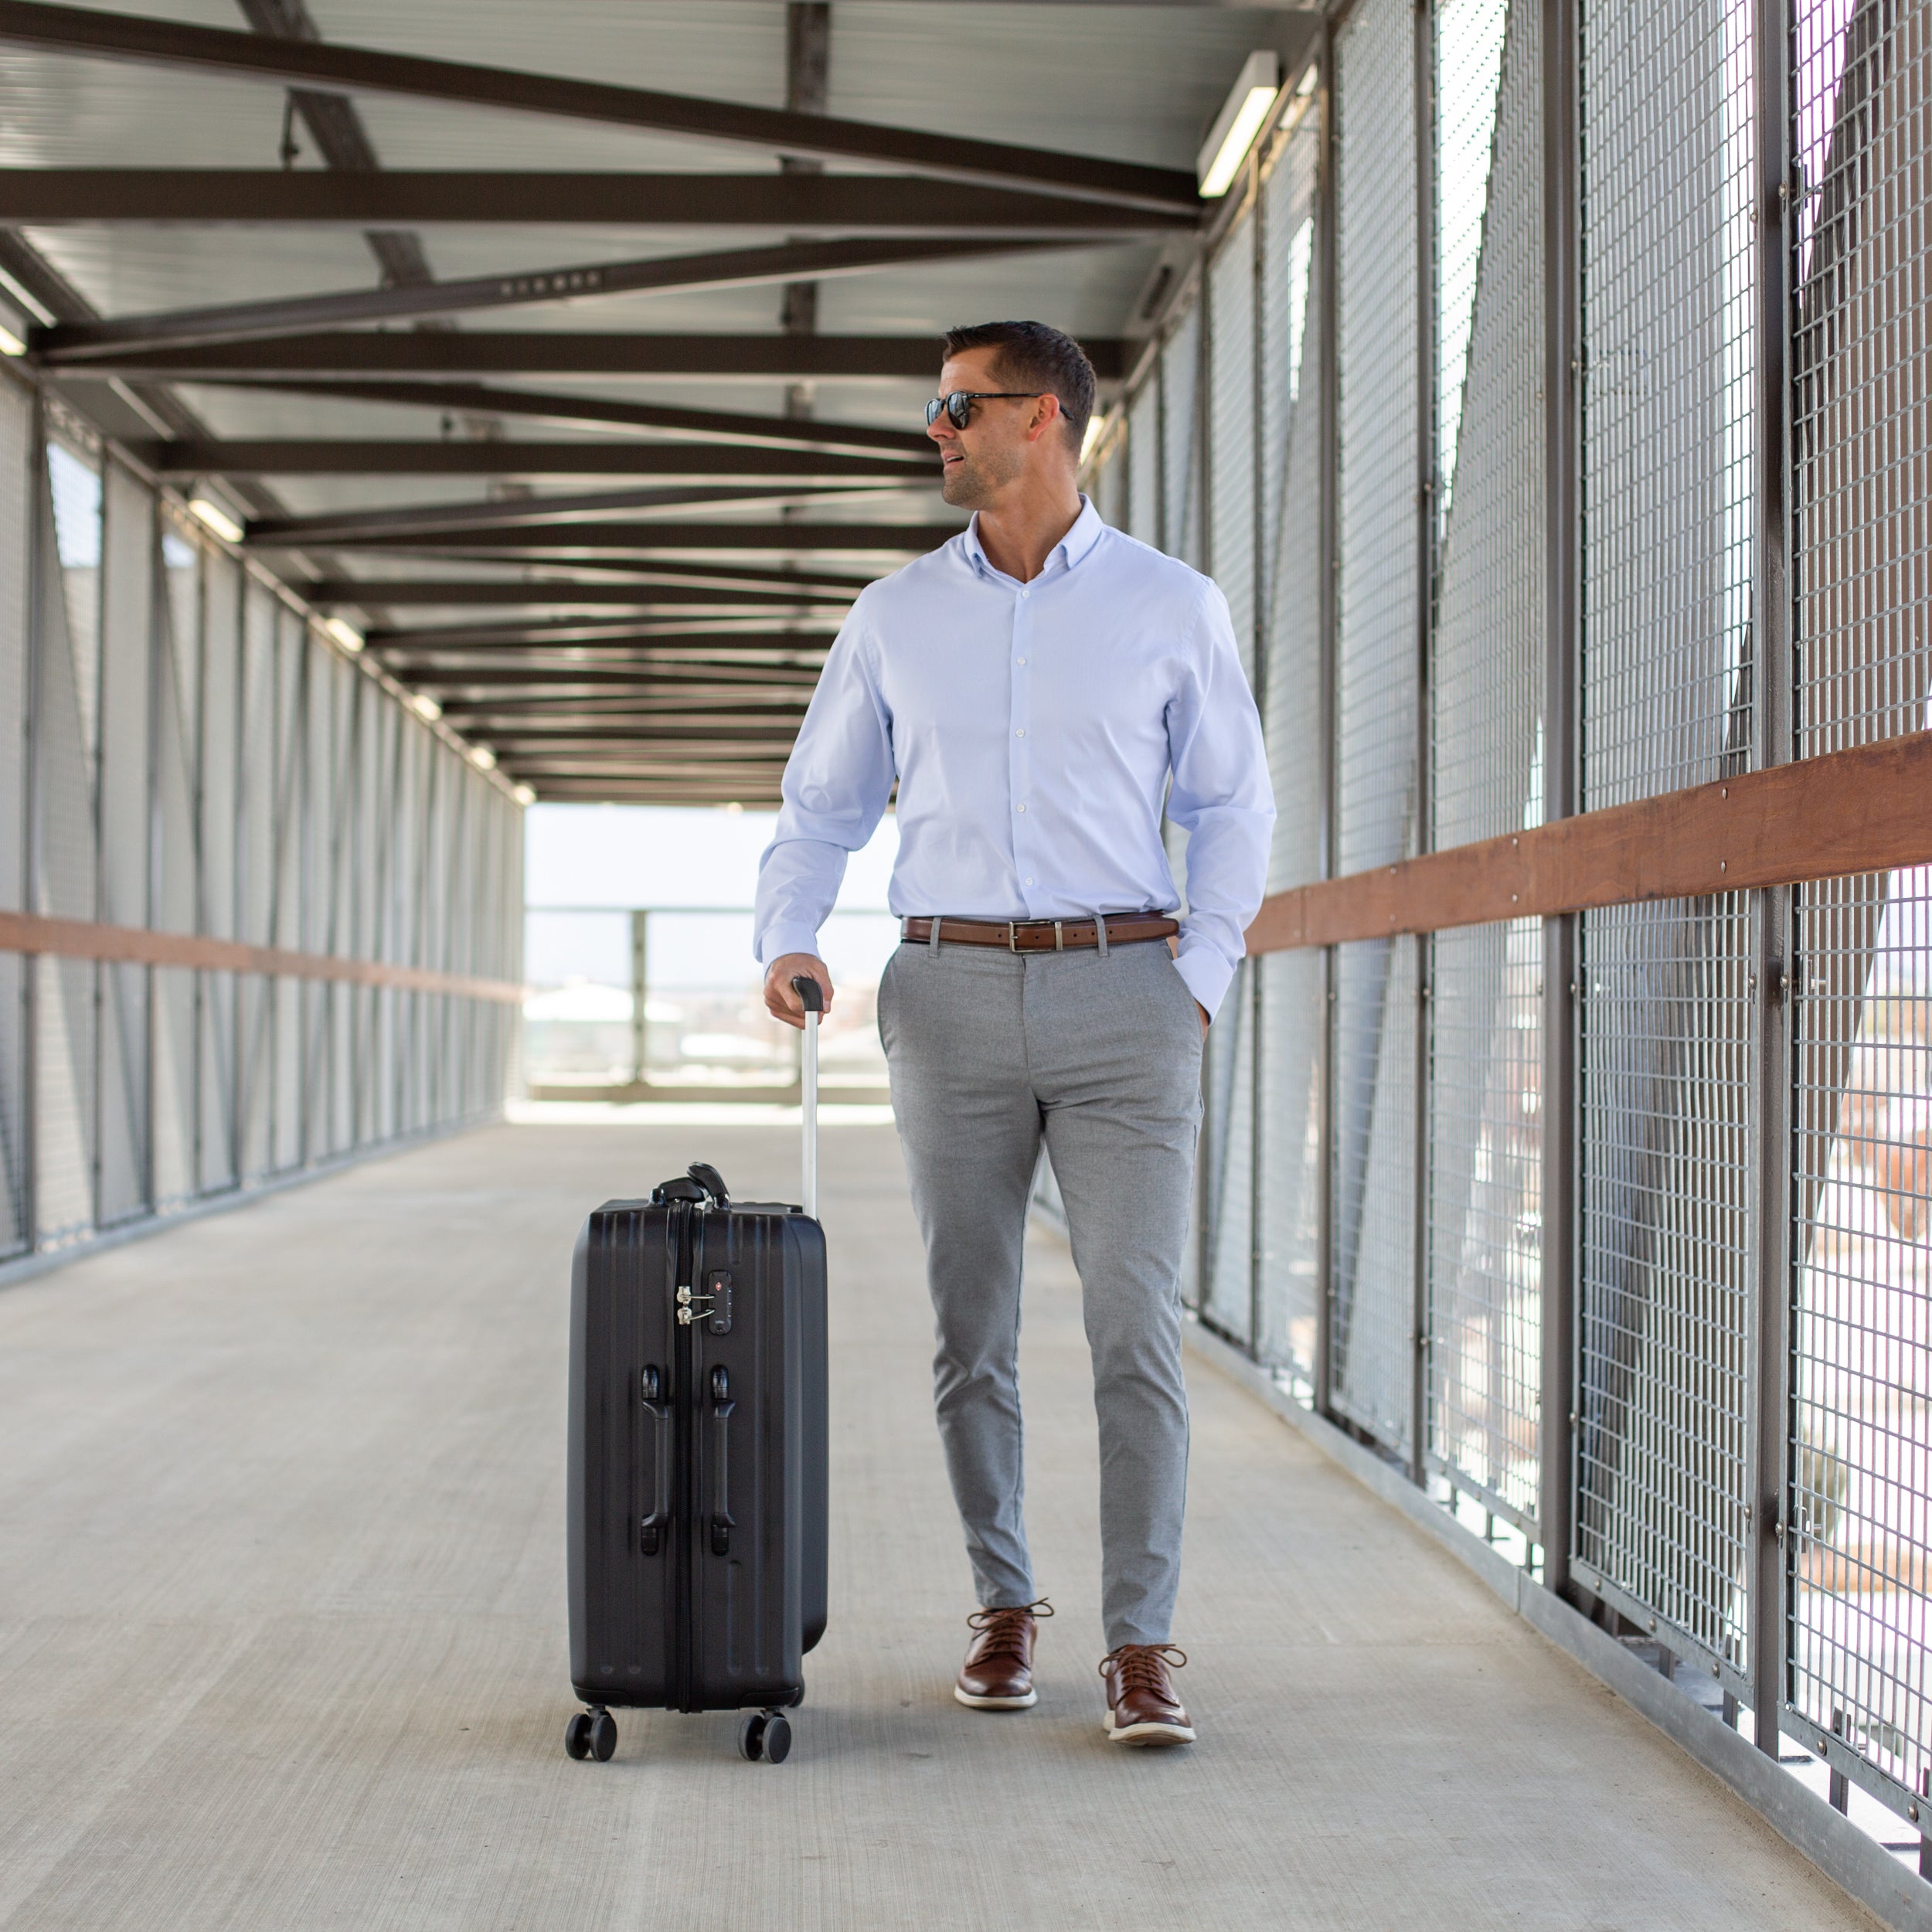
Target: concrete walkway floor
[282, 1646]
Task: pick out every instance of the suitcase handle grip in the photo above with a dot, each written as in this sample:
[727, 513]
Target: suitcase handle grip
[651, 1530]
[722, 1524]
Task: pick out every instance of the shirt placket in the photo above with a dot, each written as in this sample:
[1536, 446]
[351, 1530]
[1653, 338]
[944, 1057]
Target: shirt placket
[1020, 748]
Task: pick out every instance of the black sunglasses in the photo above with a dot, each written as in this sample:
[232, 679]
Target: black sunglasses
[958, 405]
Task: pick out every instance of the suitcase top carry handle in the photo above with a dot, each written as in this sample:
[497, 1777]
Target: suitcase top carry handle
[813, 996]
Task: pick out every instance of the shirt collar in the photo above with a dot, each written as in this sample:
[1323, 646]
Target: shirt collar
[1071, 548]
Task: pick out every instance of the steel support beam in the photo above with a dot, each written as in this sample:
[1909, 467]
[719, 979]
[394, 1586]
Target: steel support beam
[831, 205]
[643, 590]
[487, 637]
[592, 540]
[349, 70]
[73, 345]
[597, 412]
[347, 353]
[685, 462]
[519, 514]
[394, 646]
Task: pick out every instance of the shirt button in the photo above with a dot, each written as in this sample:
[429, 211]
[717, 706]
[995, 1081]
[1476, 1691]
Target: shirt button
[1021, 660]
[1027, 593]
[1022, 807]
[1019, 734]
[1029, 882]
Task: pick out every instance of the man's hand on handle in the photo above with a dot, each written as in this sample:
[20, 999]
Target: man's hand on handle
[781, 1002]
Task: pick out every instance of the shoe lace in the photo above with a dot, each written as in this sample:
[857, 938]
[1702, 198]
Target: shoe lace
[1005, 1628]
[1143, 1666]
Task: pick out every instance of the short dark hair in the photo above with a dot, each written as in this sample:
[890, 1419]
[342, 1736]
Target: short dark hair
[1031, 354]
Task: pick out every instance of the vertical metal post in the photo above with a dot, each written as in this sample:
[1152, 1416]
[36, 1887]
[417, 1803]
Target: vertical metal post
[33, 884]
[1263, 598]
[640, 995]
[1562, 646]
[1424, 66]
[1767, 1560]
[1329, 420]
[198, 809]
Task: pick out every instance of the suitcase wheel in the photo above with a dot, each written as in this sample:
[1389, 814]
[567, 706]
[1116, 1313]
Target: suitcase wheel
[591, 1734]
[765, 1737]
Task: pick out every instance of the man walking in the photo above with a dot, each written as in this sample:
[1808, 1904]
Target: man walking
[1040, 688]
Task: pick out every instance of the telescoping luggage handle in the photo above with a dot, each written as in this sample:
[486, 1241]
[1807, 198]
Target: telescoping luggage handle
[812, 994]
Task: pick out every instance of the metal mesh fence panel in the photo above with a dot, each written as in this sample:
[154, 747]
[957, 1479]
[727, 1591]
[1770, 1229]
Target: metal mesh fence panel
[1665, 1172]
[1181, 439]
[1376, 982]
[122, 801]
[177, 641]
[1228, 1282]
[65, 677]
[1861, 358]
[285, 995]
[1231, 430]
[1484, 1252]
[1861, 1559]
[19, 465]
[1666, 1268]
[1143, 458]
[255, 876]
[1293, 1009]
[1666, 424]
[219, 735]
[1859, 1567]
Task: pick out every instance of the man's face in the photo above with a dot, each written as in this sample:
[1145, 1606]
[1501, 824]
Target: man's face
[979, 462]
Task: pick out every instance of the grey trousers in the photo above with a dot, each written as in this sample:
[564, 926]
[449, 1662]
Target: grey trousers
[988, 1051]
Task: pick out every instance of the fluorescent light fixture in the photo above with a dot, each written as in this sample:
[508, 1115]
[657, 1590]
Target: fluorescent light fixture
[1095, 424]
[525, 794]
[206, 510]
[344, 633]
[11, 343]
[427, 707]
[1306, 87]
[735, 809]
[483, 758]
[1237, 124]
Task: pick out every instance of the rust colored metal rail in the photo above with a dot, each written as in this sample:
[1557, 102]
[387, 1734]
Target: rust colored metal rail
[1866, 810]
[140, 946]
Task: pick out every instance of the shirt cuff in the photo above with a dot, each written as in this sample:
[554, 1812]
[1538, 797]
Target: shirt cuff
[779, 939]
[1205, 972]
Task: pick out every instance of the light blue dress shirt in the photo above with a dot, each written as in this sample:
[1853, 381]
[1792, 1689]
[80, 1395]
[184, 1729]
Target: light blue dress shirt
[1033, 730]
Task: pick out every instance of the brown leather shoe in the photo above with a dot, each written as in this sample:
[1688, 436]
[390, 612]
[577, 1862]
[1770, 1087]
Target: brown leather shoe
[998, 1674]
[1141, 1707]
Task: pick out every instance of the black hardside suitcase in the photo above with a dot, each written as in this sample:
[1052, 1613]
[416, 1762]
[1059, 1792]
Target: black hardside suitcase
[697, 1467]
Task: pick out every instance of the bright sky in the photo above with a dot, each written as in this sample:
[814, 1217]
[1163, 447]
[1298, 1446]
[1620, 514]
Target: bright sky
[622, 856]
[670, 855]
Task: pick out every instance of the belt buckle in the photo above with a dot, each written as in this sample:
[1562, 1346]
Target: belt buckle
[1012, 936]
[1059, 935]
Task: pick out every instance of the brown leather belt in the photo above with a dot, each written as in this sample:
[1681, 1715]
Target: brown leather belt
[1038, 935]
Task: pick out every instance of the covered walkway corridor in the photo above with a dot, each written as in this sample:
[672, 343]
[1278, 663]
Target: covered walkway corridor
[282, 1636]
[423, 422]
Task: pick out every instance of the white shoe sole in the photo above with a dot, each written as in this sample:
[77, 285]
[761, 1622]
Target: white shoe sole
[1147, 1733]
[973, 1703]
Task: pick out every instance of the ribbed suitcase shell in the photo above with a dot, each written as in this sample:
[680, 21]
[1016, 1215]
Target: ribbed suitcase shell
[697, 1534]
